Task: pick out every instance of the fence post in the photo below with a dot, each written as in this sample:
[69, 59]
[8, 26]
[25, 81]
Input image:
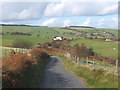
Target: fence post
[116, 65]
[77, 60]
[21, 50]
[16, 51]
[87, 61]
[5, 52]
[105, 65]
[93, 63]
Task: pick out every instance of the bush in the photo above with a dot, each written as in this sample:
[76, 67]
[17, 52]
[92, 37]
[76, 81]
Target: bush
[90, 52]
[13, 68]
[57, 45]
[18, 43]
[16, 62]
[24, 70]
[80, 51]
[40, 54]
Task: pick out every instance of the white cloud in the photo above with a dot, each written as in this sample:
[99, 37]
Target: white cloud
[58, 22]
[81, 9]
[68, 22]
[87, 22]
[101, 23]
[115, 19]
[36, 10]
[22, 11]
[54, 9]
[108, 23]
[26, 11]
[7, 23]
[24, 14]
[50, 22]
[109, 10]
[59, 0]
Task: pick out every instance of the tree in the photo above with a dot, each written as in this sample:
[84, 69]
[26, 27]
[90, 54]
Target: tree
[90, 52]
[83, 51]
[80, 51]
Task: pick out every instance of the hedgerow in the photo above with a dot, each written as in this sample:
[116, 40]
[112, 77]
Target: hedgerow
[23, 70]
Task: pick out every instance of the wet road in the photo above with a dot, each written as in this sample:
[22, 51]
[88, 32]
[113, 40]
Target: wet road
[55, 76]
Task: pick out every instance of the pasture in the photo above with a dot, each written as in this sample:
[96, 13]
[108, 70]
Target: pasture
[38, 34]
[108, 33]
[101, 47]
[46, 34]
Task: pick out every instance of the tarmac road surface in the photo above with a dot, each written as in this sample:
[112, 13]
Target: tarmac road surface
[55, 76]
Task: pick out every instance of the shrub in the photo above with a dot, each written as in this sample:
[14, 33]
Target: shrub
[13, 67]
[90, 52]
[40, 54]
[23, 70]
[80, 51]
[57, 45]
[18, 43]
[16, 62]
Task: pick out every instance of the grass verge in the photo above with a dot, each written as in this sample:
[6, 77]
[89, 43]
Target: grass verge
[97, 78]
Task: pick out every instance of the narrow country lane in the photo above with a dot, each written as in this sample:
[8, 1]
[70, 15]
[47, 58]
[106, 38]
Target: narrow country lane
[55, 76]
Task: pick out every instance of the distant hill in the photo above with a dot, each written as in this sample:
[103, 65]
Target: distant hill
[13, 25]
[20, 25]
[82, 26]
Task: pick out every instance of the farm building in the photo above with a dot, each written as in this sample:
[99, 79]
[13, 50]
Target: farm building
[58, 38]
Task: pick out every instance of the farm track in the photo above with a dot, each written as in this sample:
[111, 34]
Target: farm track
[55, 76]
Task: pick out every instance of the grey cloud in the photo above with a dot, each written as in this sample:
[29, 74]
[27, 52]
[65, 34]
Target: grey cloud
[22, 11]
[33, 10]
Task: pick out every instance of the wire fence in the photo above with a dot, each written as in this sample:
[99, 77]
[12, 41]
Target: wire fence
[94, 64]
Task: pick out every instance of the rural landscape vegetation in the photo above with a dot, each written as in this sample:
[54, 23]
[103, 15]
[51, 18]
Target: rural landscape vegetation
[95, 58]
[88, 53]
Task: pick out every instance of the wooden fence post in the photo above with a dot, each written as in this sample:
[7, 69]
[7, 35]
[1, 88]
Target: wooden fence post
[93, 63]
[21, 50]
[77, 60]
[105, 65]
[5, 52]
[117, 65]
[87, 61]
[16, 51]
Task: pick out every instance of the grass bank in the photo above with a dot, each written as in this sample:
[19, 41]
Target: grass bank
[97, 78]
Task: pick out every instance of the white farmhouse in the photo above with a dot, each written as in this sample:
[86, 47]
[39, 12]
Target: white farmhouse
[58, 38]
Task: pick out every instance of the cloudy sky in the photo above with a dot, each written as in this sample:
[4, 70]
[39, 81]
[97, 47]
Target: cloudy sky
[97, 13]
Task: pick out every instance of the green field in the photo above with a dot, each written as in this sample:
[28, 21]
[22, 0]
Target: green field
[8, 39]
[46, 34]
[101, 47]
[111, 32]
